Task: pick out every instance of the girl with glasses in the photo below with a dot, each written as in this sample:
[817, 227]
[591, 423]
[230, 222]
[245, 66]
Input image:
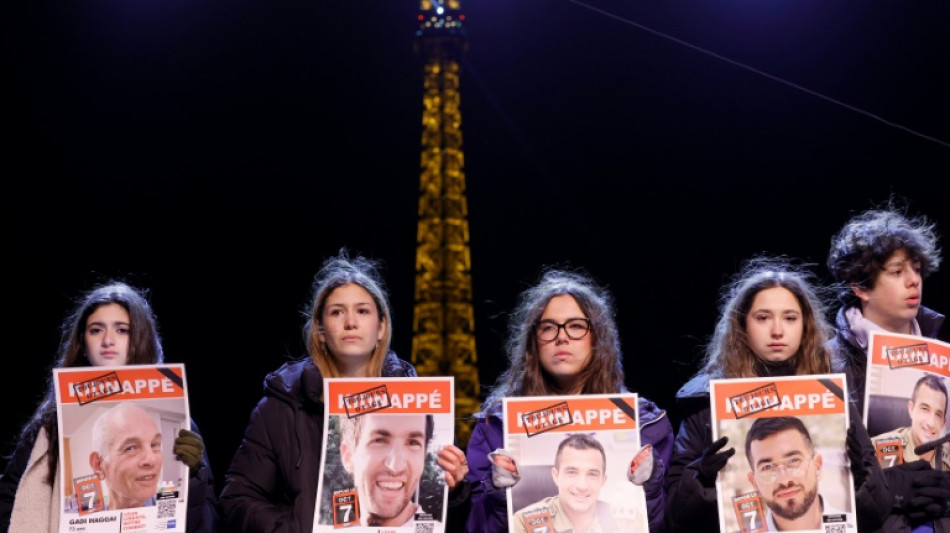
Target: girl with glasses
[771, 324]
[562, 340]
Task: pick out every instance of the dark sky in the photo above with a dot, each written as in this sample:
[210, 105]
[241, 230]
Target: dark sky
[217, 152]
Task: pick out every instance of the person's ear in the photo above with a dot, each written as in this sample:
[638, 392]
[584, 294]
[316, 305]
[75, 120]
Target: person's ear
[860, 292]
[910, 410]
[751, 476]
[818, 462]
[95, 462]
[382, 330]
[554, 474]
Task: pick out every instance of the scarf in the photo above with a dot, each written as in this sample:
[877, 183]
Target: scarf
[861, 326]
[36, 507]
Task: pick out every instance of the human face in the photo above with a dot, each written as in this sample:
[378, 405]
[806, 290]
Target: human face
[927, 414]
[564, 358]
[895, 298]
[579, 478]
[386, 465]
[351, 327]
[107, 335]
[133, 462]
[789, 496]
[774, 324]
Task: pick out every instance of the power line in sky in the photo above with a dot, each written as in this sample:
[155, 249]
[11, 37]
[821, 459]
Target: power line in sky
[783, 81]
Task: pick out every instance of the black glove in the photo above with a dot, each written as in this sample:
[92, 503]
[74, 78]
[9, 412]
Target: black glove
[189, 448]
[712, 461]
[862, 457]
[930, 496]
[914, 486]
[873, 498]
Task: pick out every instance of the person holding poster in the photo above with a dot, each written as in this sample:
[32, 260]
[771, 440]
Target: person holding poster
[771, 324]
[271, 484]
[112, 325]
[562, 340]
[880, 258]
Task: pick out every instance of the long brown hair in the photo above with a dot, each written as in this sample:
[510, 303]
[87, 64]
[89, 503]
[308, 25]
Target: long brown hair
[525, 376]
[145, 347]
[728, 354]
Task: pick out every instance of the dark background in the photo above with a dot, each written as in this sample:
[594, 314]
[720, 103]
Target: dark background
[217, 152]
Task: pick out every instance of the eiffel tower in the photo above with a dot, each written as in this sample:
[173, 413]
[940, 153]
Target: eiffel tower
[443, 326]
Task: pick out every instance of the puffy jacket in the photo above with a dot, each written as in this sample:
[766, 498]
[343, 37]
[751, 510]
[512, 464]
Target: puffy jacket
[489, 505]
[271, 484]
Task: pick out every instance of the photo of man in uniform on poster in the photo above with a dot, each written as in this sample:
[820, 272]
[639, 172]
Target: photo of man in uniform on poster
[927, 409]
[579, 473]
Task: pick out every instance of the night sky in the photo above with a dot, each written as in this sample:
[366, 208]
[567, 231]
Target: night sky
[217, 152]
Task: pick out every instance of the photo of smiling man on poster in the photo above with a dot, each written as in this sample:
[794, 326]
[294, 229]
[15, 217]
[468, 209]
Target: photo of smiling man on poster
[785, 469]
[127, 455]
[927, 409]
[385, 453]
[579, 473]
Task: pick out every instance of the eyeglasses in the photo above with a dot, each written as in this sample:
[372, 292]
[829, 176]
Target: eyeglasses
[574, 328]
[794, 467]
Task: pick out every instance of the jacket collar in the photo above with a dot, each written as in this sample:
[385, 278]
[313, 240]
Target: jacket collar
[929, 321]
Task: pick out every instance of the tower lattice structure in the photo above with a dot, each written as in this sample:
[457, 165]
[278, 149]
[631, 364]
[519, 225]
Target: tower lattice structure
[443, 341]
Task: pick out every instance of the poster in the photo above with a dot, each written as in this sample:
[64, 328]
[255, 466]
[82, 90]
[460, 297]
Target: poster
[791, 466]
[572, 454]
[117, 429]
[379, 469]
[906, 399]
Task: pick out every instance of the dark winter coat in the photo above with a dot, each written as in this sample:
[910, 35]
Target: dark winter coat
[271, 484]
[853, 360]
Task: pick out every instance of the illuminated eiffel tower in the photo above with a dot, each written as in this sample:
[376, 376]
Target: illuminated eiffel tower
[443, 326]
